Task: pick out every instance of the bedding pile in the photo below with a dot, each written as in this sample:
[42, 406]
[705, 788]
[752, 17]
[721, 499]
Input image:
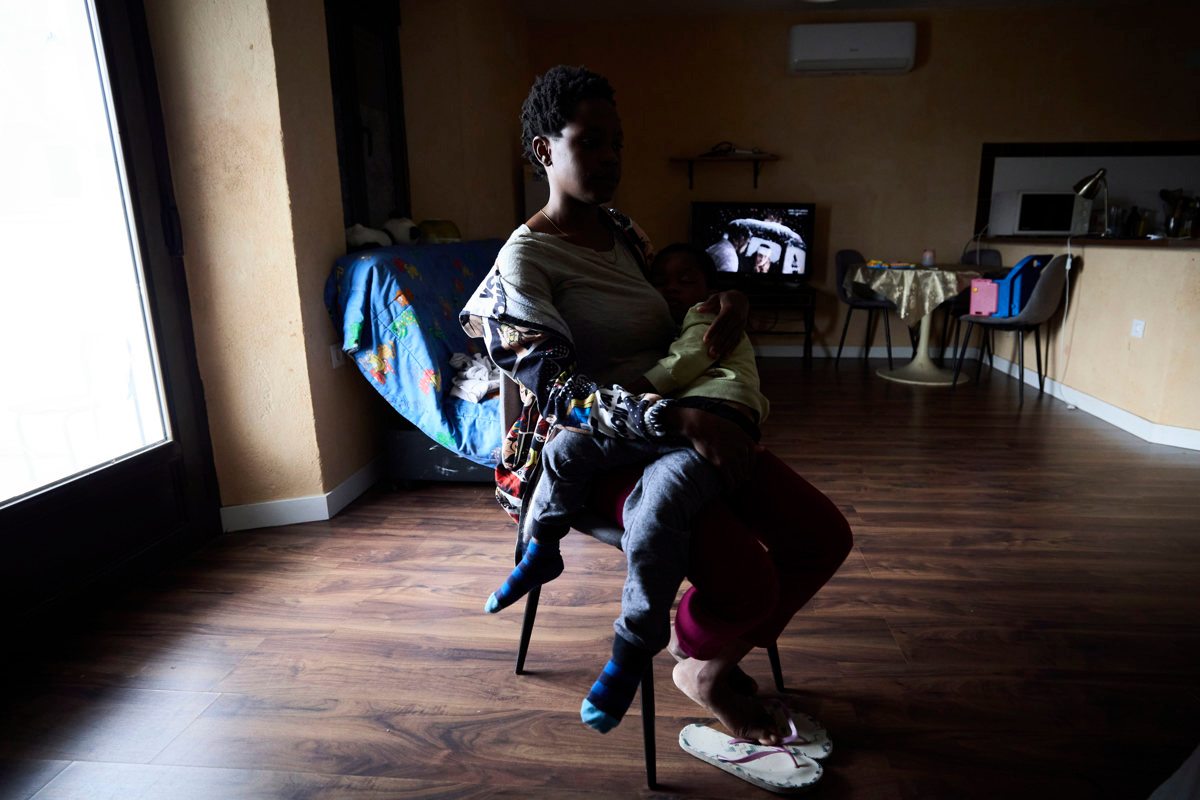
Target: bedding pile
[396, 310]
[477, 378]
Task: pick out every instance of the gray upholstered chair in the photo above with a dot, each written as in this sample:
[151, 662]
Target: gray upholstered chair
[1043, 302]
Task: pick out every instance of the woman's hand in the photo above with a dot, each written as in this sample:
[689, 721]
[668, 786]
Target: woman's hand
[722, 443]
[733, 310]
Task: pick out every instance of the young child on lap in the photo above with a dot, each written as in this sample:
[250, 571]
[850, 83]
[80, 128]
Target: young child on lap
[660, 512]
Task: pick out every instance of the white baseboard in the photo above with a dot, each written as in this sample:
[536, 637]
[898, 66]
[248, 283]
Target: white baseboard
[1140, 427]
[295, 510]
[1144, 429]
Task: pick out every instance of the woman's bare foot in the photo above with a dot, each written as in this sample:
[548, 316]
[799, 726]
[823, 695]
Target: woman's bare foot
[743, 716]
[739, 681]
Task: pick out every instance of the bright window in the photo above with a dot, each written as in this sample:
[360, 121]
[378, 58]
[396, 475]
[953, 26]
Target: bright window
[79, 382]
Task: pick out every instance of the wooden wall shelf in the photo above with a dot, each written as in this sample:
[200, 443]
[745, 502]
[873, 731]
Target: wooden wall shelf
[753, 158]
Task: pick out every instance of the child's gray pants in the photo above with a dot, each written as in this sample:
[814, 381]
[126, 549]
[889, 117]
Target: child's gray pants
[675, 484]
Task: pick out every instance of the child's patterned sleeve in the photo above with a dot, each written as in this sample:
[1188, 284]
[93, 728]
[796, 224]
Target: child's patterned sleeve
[543, 362]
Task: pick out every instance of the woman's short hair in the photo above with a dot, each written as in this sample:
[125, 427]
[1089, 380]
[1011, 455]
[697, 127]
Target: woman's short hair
[698, 255]
[553, 101]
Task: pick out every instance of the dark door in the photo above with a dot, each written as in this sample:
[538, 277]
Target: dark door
[368, 108]
[105, 460]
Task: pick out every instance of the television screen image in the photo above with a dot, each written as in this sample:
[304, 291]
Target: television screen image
[755, 239]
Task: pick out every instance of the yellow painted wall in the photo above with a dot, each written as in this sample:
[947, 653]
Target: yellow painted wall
[465, 67]
[1156, 377]
[345, 411]
[250, 134]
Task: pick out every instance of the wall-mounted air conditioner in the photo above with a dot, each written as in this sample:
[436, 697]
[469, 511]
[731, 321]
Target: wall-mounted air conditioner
[842, 48]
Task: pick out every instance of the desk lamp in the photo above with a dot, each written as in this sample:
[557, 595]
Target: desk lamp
[1088, 187]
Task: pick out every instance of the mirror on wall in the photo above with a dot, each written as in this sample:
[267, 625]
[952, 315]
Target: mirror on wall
[1152, 189]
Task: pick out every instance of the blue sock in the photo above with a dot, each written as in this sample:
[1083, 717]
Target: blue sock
[541, 563]
[613, 691]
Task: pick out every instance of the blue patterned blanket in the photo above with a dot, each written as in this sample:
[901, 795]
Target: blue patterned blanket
[396, 309]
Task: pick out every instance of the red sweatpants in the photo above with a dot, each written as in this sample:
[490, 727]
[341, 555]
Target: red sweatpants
[755, 559]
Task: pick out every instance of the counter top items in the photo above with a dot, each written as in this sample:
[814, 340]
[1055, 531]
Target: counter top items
[1183, 214]
[1089, 186]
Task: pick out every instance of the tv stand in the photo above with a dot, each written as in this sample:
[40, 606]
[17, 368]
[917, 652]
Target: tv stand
[784, 296]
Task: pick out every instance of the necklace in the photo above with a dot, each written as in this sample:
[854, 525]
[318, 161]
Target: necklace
[561, 232]
[609, 256]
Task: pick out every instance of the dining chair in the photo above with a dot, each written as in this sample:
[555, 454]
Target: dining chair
[1043, 302]
[960, 304]
[861, 298]
[605, 530]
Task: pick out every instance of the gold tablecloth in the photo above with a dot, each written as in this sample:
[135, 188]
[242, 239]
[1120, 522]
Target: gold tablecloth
[916, 292]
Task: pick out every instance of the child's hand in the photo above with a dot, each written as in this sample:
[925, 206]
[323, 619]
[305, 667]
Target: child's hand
[733, 310]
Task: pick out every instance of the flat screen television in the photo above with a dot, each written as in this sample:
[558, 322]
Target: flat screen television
[755, 242]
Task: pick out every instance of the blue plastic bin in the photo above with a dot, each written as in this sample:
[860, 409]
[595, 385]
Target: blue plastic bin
[1014, 289]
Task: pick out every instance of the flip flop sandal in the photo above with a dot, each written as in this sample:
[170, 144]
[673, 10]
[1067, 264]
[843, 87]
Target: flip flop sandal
[806, 736]
[776, 769]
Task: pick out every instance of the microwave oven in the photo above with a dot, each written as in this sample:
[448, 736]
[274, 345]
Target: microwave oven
[1039, 214]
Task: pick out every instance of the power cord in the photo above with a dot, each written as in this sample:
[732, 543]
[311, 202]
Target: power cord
[976, 239]
[1062, 355]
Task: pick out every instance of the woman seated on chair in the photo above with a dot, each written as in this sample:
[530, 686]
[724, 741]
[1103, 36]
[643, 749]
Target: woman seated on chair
[566, 310]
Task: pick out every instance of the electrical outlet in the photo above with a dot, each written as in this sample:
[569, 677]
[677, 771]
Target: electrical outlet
[336, 357]
[1138, 329]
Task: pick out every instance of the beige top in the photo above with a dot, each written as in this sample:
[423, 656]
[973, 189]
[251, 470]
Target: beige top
[619, 324]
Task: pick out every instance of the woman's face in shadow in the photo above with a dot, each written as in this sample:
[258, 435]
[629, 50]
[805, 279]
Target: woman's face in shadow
[584, 161]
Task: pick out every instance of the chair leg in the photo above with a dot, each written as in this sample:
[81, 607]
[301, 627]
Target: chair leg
[946, 337]
[984, 340]
[845, 327]
[1037, 349]
[810, 315]
[1021, 367]
[776, 668]
[954, 345]
[648, 726]
[871, 325]
[887, 333]
[962, 351]
[531, 604]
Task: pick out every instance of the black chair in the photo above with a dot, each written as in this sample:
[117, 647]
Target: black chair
[861, 298]
[960, 305]
[1043, 302]
[610, 533]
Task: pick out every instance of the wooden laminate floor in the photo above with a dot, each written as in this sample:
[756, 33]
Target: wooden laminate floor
[1020, 617]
